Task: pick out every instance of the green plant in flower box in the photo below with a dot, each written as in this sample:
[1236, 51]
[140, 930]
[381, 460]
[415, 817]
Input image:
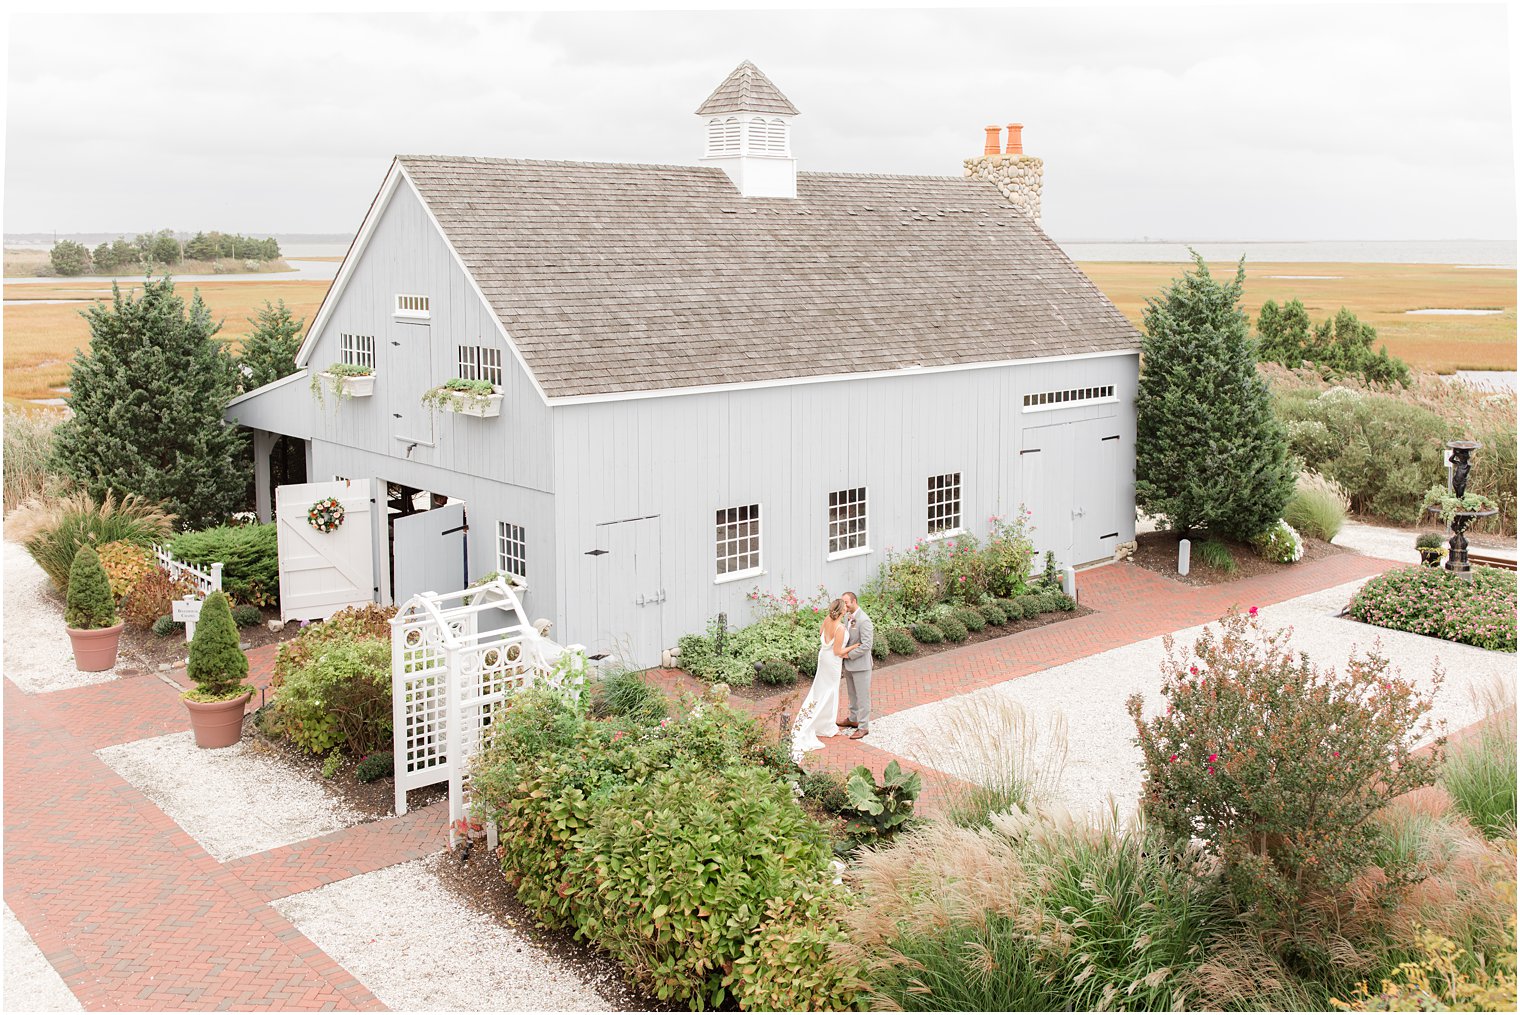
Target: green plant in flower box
[1449, 506]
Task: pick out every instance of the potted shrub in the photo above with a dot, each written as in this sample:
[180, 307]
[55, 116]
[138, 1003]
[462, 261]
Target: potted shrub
[468, 398]
[94, 628]
[1431, 547]
[218, 667]
[346, 380]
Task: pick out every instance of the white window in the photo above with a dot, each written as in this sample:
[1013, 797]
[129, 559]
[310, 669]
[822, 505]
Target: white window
[413, 306]
[776, 137]
[847, 523]
[945, 504]
[738, 541]
[512, 550]
[731, 135]
[714, 137]
[1038, 401]
[480, 363]
[356, 350]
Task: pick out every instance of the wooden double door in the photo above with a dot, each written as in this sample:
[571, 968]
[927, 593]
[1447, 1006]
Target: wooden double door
[1069, 477]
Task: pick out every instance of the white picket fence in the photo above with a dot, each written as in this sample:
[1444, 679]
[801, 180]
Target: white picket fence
[205, 582]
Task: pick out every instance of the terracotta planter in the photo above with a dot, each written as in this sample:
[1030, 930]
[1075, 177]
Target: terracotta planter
[95, 650]
[217, 723]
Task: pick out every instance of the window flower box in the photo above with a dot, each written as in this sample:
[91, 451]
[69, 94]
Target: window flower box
[345, 380]
[465, 397]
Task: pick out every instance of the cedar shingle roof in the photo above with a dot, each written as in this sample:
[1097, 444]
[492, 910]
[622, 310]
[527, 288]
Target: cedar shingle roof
[614, 278]
[746, 90]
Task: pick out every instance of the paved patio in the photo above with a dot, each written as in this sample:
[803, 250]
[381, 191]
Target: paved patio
[134, 914]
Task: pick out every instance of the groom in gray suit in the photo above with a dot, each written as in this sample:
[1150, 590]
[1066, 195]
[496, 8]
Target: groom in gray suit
[859, 637]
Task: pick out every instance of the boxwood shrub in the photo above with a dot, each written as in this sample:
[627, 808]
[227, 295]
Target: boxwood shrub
[952, 628]
[880, 649]
[971, 618]
[993, 614]
[1013, 609]
[901, 642]
[776, 673]
[928, 633]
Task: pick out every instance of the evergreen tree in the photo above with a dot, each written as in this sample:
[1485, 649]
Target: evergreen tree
[69, 258]
[1209, 453]
[216, 664]
[1341, 344]
[147, 403]
[89, 603]
[1283, 335]
[269, 352]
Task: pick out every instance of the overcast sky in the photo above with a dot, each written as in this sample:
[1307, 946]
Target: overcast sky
[1288, 122]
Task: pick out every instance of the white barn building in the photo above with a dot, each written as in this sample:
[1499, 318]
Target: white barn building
[711, 378]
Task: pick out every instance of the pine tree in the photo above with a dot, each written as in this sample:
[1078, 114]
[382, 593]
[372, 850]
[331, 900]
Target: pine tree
[90, 605]
[1209, 453]
[216, 664]
[269, 352]
[147, 401]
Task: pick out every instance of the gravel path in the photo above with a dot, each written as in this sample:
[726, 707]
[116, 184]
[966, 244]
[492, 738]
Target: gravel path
[1390, 543]
[31, 982]
[419, 949]
[1090, 693]
[38, 656]
[233, 801]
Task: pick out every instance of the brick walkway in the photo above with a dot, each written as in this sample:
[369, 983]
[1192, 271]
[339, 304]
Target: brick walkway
[128, 908]
[135, 915]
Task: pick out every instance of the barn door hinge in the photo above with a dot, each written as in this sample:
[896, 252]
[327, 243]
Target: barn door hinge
[596, 553]
[1113, 438]
[1109, 535]
[1029, 451]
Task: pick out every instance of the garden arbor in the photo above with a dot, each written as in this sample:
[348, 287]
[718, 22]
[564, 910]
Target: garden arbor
[455, 659]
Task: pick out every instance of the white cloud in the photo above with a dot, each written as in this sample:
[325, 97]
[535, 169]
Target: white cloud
[1295, 122]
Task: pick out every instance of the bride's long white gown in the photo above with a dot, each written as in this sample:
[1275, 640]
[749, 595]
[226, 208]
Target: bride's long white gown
[816, 717]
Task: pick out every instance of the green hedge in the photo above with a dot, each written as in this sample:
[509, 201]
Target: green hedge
[678, 847]
[249, 556]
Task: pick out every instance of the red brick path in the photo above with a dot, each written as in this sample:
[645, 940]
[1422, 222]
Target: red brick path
[128, 908]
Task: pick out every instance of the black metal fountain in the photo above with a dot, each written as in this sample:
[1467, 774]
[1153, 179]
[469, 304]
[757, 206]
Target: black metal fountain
[1456, 558]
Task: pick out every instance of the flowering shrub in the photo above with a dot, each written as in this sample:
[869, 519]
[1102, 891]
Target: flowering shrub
[1428, 600]
[1277, 767]
[1009, 553]
[910, 579]
[1280, 544]
[963, 569]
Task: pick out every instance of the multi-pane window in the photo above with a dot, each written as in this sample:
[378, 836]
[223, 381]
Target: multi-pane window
[738, 539]
[1071, 396]
[480, 363]
[512, 549]
[413, 306]
[356, 350]
[944, 503]
[847, 520]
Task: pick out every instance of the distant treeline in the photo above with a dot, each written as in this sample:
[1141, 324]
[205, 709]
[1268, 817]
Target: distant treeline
[160, 249]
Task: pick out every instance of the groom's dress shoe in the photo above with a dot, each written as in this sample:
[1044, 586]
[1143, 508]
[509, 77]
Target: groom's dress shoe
[859, 733]
[849, 724]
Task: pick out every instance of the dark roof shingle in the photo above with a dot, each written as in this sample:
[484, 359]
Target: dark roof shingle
[616, 278]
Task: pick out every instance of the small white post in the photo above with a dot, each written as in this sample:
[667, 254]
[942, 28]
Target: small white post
[1069, 582]
[1184, 556]
[216, 577]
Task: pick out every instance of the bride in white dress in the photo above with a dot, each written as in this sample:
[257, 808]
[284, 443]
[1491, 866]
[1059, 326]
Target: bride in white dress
[816, 717]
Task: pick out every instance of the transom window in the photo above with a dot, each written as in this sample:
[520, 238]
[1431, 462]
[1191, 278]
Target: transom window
[1037, 400]
[413, 306]
[944, 503]
[512, 550]
[847, 520]
[480, 363]
[738, 540]
[356, 350]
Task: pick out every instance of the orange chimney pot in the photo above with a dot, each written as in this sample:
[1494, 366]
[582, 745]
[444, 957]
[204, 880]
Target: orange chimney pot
[994, 140]
[1015, 139]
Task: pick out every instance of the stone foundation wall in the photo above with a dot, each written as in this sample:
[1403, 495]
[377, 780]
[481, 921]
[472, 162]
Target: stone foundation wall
[1019, 178]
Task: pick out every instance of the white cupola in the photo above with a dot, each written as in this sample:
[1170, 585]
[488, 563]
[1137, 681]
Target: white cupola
[748, 128]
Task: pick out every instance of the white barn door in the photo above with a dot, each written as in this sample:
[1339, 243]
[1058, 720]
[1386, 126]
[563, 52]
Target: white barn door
[1045, 489]
[323, 572]
[630, 592]
[429, 548]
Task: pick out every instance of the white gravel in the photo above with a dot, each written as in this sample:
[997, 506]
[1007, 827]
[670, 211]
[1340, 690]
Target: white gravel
[234, 801]
[31, 982]
[38, 656]
[1390, 543]
[418, 948]
[1102, 761]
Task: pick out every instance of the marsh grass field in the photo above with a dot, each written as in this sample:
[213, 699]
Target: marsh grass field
[41, 337]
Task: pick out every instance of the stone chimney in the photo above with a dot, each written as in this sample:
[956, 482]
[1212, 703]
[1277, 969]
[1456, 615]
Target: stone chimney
[1019, 177]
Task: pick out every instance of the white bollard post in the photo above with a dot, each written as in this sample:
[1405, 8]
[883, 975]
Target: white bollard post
[1184, 556]
[1069, 582]
[216, 577]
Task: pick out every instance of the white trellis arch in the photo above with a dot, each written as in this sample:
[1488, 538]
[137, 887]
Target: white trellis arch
[454, 659]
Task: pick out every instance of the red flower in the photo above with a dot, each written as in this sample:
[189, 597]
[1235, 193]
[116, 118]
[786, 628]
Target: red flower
[1213, 757]
[1172, 758]
[1252, 611]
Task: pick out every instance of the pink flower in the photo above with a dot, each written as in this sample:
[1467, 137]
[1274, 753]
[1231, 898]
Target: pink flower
[1172, 758]
[1211, 769]
[1193, 670]
[617, 735]
[1252, 611]
[1213, 757]
[963, 577]
[1335, 754]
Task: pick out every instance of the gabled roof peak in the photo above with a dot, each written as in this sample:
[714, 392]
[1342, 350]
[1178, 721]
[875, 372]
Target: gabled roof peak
[747, 90]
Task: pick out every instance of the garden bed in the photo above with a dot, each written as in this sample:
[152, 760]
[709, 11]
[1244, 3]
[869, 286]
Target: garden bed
[144, 651]
[1157, 551]
[1434, 602]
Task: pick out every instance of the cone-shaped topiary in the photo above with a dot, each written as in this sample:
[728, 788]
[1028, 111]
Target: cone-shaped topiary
[217, 665]
[90, 606]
